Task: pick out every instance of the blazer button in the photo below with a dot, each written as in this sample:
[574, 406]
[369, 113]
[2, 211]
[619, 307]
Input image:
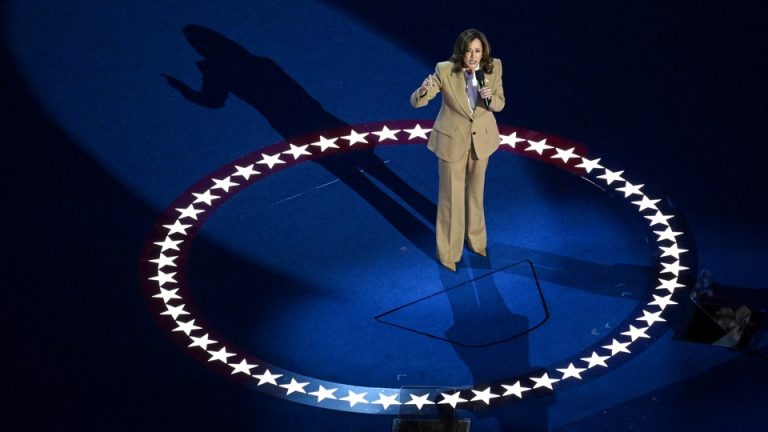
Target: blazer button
[474, 133]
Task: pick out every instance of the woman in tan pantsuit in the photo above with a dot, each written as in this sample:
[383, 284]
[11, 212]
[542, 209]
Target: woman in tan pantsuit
[464, 135]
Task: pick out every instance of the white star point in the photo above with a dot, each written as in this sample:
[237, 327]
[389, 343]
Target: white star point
[420, 401]
[571, 372]
[324, 393]
[484, 396]
[325, 143]
[515, 389]
[589, 165]
[616, 347]
[189, 212]
[267, 377]
[221, 355]
[294, 386]
[451, 399]
[544, 381]
[224, 184]
[242, 367]
[387, 401]
[511, 139]
[564, 155]
[355, 137]
[611, 176]
[538, 146]
[355, 398]
[246, 172]
[270, 160]
[417, 131]
[202, 342]
[595, 360]
[387, 133]
[636, 333]
[651, 317]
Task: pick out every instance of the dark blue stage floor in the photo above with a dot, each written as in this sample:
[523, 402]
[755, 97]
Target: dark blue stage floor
[221, 217]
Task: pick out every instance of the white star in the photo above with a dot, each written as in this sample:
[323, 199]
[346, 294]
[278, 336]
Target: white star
[667, 234]
[206, 197]
[325, 143]
[630, 189]
[544, 381]
[294, 386]
[221, 355]
[659, 219]
[246, 172]
[163, 261]
[202, 341]
[354, 137]
[190, 212]
[168, 244]
[242, 367]
[452, 399]
[646, 203]
[270, 160]
[420, 401]
[386, 133]
[297, 151]
[484, 395]
[675, 268]
[636, 333]
[387, 401]
[538, 146]
[611, 176]
[324, 393]
[224, 184]
[589, 165]
[651, 318]
[565, 155]
[662, 302]
[186, 327]
[163, 278]
[267, 377]
[595, 360]
[177, 227]
[418, 131]
[672, 251]
[617, 347]
[669, 285]
[571, 372]
[511, 139]
[167, 295]
[515, 389]
[355, 398]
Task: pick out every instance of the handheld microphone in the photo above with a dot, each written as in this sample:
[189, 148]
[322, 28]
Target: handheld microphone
[480, 75]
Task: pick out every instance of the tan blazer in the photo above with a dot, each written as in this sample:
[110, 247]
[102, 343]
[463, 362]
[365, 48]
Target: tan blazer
[456, 126]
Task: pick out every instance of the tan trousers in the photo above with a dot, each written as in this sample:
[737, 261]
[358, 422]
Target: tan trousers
[460, 207]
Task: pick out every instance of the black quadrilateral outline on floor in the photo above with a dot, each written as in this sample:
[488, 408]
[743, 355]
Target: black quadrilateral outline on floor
[455, 342]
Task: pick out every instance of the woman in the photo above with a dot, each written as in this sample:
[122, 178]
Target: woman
[464, 135]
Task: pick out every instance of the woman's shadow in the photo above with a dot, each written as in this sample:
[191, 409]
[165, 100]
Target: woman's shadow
[492, 341]
[228, 68]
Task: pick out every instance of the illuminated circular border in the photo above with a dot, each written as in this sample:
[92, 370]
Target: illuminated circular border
[164, 264]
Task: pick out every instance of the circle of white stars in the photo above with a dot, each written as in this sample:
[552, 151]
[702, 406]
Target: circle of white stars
[171, 247]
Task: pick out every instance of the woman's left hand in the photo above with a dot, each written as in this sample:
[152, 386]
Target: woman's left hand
[486, 92]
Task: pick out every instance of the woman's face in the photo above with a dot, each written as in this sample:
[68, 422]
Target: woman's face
[473, 54]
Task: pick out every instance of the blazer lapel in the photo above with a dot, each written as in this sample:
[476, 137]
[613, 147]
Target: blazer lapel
[459, 89]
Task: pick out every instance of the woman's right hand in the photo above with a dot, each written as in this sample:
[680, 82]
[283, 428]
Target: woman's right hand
[426, 85]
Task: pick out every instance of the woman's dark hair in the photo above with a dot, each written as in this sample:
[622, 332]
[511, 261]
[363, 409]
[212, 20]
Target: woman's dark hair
[462, 44]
